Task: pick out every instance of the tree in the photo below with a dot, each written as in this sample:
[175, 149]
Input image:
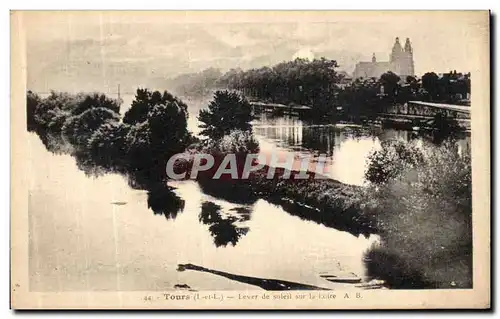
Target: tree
[144, 101]
[390, 82]
[300, 81]
[430, 82]
[94, 100]
[226, 112]
[159, 131]
[138, 141]
[361, 99]
[51, 113]
[168, 127]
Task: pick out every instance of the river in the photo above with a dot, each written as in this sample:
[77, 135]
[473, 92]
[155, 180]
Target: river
[99, 234]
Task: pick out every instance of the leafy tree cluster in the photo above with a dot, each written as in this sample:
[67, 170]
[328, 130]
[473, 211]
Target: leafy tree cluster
[317, 83]
[360, 99]
[364, 98]
[451, 87]
[91, 128]
[66, 116]
[301, 82]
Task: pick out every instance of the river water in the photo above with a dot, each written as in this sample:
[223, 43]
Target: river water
[99, 234]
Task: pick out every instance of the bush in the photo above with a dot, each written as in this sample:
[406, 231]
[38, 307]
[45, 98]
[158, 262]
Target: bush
[138, 141]
[50, 114]
[107, 146]
[424, 213]
[392, 160]
[78, 129]
[236, 142]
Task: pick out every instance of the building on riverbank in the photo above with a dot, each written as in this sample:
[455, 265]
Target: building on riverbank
[400, 62]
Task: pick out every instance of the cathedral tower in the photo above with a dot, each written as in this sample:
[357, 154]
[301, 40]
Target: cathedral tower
[409, 57]
[400, 62]
[397, 51]
[402, 59]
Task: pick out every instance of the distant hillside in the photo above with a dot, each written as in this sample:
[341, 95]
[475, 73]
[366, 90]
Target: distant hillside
[194, 84]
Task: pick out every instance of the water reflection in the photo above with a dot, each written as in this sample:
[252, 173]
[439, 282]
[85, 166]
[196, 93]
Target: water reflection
[298, 135]
[163, 201]
[346, 146]
[343, 222]
[224, 230]
[103, 236]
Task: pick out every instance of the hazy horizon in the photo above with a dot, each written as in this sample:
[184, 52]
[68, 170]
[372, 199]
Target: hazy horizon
[86, 51]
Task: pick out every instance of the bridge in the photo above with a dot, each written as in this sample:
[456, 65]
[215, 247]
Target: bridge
[419, 113]
[413, 113]
[428, 109]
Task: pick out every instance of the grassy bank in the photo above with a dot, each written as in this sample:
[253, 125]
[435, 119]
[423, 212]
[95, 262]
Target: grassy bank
[322, 200]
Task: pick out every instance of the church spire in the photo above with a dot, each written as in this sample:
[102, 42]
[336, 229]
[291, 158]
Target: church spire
[374, 58]
[408, 48]
[396, 50]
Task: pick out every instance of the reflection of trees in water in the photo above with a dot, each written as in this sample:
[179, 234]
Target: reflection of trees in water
[321, 139]
[163, 201]
[337, 220]
[161, 198]
[393, 134]
[224, 229]
[436, 137]
[294, 133]
[324, 139]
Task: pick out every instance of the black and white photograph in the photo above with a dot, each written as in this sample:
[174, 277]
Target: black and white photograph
[249, 159]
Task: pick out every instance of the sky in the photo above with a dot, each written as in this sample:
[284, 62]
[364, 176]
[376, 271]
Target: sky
[86, 51]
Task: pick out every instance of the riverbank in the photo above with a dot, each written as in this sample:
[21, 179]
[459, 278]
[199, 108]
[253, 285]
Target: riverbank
[318, 198]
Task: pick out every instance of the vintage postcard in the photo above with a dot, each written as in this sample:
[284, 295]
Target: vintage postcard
[250, 160]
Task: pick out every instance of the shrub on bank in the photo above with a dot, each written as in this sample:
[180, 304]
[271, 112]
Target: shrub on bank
[423, 210]
[107, 146]
[77, 129]
[394, 157]
[236, 142]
